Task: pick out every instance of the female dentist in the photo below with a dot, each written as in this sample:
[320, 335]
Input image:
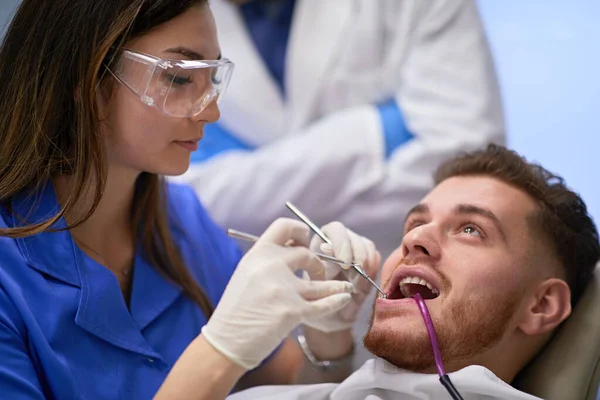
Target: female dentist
[108, 275]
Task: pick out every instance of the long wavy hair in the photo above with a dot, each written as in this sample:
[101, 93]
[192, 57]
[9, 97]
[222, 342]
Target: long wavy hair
[52, 50]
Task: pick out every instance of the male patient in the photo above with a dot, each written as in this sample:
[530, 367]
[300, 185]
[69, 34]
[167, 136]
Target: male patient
[501, 250]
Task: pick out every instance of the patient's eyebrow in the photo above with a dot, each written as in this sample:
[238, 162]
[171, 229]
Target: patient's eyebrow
[471, 209]
[418, 209]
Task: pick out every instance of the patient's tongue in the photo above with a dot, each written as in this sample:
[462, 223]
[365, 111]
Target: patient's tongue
[411, 289]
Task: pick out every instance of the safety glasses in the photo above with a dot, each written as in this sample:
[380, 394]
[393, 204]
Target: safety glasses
[178, 88]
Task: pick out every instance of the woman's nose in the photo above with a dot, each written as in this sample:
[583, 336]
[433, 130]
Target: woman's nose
[210, 113]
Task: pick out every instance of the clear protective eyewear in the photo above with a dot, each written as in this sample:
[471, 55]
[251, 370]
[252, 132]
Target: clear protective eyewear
[178, 88]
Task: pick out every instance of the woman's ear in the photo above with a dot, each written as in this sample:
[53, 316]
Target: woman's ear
[102, 105]
[549, 305]
[103, 98]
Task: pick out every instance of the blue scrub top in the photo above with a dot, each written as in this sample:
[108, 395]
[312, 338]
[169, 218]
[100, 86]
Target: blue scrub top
[65, 330]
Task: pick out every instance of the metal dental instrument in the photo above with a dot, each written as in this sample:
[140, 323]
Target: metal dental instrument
[308, 222]
[321, 234]
[253, 238]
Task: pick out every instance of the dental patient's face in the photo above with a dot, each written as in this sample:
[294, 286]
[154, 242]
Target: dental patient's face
[467, 249]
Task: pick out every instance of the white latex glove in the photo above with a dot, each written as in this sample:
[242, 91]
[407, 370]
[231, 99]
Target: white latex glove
[264, 300]
[349, 247]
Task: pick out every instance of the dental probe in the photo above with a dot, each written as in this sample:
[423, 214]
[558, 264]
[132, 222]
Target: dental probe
[252, 238]
[321, 234]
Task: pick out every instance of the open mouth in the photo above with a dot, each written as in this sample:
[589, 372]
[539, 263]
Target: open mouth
[410, 286]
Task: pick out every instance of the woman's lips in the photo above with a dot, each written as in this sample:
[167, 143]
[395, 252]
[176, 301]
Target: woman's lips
[190, 145]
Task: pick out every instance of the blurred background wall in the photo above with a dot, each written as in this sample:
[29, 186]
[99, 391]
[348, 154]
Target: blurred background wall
[548, 59]
[6, 9]
[547, 55]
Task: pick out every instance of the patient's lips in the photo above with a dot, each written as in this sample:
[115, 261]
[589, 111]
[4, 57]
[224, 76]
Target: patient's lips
[408, 281]
[411, 285]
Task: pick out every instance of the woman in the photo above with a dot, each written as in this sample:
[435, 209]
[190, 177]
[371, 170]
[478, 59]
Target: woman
[107, 276]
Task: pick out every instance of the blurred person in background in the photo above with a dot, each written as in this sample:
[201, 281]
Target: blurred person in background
[344, 108]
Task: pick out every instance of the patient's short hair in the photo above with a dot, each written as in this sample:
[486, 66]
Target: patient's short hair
[562, 218]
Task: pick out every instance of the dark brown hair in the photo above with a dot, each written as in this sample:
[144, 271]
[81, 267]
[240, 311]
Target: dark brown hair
[52, 60]
[562, 217]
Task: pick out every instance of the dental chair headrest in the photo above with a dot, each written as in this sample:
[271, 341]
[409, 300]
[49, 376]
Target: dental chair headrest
[569, 367]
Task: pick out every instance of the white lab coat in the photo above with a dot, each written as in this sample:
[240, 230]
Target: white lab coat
[379, 380]
[322, 148]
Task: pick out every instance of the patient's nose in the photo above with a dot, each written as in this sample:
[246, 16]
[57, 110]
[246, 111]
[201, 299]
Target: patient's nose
[420, 242]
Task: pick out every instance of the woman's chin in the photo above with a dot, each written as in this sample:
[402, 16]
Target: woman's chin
[170, 168]
[174, 170]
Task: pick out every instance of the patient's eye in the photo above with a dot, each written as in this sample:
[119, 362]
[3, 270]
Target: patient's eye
[472, 230]
[412, 224]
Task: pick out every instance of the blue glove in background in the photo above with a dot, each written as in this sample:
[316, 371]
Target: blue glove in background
[215, 141]
[394, 128]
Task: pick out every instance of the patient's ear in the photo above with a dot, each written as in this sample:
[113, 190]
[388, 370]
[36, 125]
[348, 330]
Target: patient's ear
[549, 305]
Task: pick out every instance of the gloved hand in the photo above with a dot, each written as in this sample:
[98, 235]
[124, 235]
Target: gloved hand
[349, 247]
[264, 300]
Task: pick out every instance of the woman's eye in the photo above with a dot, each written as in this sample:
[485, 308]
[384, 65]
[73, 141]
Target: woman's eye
[179, 80]
[471, 230]
[215, 79]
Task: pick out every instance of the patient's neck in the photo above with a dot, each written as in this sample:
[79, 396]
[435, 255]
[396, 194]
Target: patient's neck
[505, 359]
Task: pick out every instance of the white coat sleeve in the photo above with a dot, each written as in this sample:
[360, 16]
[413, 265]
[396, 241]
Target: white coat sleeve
[336, 169]
[320, 169]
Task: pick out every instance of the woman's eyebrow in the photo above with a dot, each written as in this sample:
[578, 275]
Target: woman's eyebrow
[187, 52]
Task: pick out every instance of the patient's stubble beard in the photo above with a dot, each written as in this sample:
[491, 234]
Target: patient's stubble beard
[467, 329]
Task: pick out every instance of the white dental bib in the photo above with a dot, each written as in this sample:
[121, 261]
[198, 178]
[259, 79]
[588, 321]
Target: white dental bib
[379, 380]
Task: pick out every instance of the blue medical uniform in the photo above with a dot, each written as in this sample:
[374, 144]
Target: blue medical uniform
[65, 329]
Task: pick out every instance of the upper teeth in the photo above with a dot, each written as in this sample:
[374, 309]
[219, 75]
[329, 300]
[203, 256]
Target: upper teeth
[418, 281]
